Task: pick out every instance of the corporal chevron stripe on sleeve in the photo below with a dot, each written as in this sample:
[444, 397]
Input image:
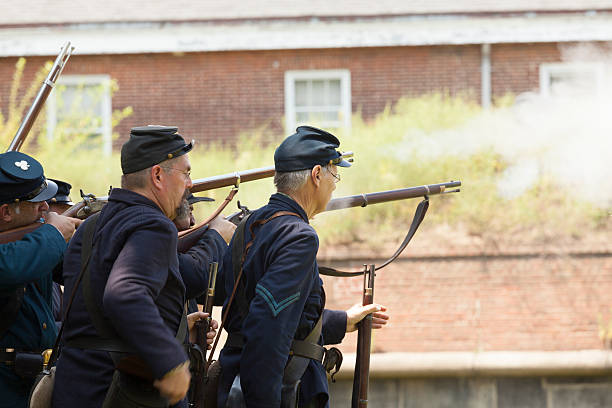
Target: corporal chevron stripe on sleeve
[275, 307]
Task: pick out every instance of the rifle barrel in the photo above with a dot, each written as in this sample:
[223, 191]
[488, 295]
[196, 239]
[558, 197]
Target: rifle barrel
[41, 97]
[231, 179]
[362, 200]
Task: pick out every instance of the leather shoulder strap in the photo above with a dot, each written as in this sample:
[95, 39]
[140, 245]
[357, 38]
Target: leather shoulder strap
[419, 215]
[89, 227]
[107, 339]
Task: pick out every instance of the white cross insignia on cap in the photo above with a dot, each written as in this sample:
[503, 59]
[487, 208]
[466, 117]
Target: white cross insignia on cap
[23, 165]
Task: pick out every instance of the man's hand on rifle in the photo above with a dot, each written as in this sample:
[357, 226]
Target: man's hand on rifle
[65, 225]
[223, 227]
[356, 314]
[210, 336]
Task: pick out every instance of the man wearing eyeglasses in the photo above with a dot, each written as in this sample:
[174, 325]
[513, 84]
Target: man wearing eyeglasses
[129, 313]
[276, 322]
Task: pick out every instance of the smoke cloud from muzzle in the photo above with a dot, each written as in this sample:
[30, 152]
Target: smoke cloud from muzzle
[564, 133]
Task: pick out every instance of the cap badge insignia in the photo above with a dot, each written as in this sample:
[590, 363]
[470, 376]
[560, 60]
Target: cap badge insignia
[23, 165]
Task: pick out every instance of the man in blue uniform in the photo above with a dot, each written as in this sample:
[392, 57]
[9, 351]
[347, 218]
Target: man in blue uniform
[279, 303]
[59, 203]
[133, 300]
[194, 262]
[26, 269]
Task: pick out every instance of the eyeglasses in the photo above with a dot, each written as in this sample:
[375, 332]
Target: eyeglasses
[336, 176]
[185, 172]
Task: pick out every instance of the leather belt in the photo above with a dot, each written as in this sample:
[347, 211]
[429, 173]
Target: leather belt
[298, 347]
[7, 356]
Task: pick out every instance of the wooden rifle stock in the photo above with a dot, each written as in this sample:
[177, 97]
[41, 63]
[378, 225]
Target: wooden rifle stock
[41, 97]
[361, 377]
[200, 377]
[17, 233]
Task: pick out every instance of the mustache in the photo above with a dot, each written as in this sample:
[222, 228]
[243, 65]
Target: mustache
[186, 194]
[183, 207]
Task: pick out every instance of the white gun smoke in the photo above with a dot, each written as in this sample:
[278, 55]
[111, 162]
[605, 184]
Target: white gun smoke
[565, 135]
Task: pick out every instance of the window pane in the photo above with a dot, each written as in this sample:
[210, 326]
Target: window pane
[301, 93]
[80, 106]
[324, 116]
[318, 93]
[302, 117]
[335, 96]
[573, 83]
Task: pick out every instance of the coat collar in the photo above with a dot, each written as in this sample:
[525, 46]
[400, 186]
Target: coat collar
[131, 198]
[284, 202]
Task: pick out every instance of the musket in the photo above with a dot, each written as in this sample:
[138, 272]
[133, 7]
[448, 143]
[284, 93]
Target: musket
[83, 209]
[202, 327]
[91, 204]
[361, 377]
[363, 200]
[41, 97]
[234, 179]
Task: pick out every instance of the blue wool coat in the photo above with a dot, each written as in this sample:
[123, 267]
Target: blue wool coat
[29, 262]
[282, 279]
[135, 280]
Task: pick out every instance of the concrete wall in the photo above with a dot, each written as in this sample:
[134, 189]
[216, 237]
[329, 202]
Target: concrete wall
[482, 392]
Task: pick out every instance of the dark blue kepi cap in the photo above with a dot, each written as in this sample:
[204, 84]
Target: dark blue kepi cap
[306, 148]
[62, 195]
[151, 145]
[22, 179]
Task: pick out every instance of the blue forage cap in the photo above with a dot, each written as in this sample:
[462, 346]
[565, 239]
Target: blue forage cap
[151, 145]
[22, 179]
[306, 148]
[63, 193]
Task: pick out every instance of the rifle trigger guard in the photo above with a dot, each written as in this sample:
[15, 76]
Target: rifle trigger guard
[365, 200]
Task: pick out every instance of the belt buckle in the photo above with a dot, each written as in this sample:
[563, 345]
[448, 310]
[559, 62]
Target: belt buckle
[46, 355]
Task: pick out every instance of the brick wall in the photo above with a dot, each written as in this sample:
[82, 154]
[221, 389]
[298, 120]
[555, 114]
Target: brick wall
[214, 96]
[515, 300]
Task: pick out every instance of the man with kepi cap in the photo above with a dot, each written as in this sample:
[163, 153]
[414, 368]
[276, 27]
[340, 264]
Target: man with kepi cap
[26, 321]
[277, 324]
[133, 297]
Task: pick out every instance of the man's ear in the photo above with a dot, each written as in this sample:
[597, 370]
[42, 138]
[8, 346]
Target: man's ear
[315, 175]
[156, 176]
[6, 214]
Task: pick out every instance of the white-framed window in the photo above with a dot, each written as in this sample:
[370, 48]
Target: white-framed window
[571, 79]
[318, 97]
[81, 104]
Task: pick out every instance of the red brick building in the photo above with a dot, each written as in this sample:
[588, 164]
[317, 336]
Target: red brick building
[216, 70]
